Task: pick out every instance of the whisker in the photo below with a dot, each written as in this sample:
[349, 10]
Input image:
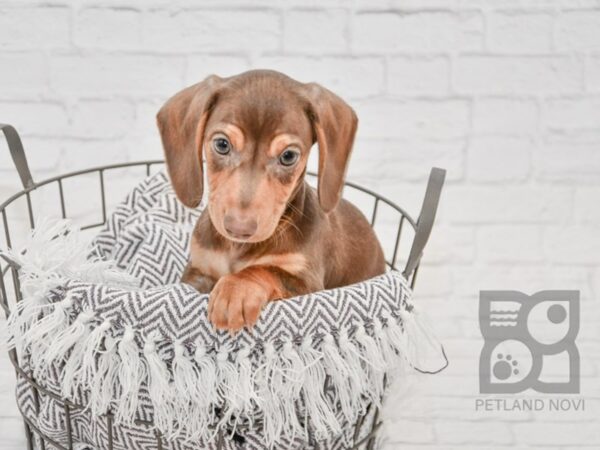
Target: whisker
[288, 221]
[295, 209]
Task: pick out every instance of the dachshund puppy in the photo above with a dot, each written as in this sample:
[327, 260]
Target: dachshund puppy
[265, 234]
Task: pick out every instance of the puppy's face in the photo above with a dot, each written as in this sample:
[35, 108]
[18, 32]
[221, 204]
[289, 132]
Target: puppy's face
[256, 147]
[255, 131]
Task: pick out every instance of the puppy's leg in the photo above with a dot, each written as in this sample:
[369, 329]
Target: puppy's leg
[237, 299]
[202, 283]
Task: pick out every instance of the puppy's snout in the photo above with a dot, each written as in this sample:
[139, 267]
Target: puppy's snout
[240, 227]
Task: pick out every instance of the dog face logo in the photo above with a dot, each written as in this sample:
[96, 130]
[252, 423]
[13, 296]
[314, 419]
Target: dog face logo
[529, 342]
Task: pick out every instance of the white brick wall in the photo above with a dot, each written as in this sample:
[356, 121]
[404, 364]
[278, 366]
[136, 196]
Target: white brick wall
[504, 94]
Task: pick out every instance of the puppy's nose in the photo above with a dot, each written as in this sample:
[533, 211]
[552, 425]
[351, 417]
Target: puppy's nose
[240, 227]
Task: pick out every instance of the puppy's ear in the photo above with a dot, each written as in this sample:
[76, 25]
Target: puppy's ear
[181, 122]
[334, 124]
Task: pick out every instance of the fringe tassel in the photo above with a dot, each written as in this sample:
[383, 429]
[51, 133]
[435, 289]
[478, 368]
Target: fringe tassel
[159, 387]
[317, 409]
[356, 373]
[23, 315]
[131, 374]
[185, 375]
[42, 333]
[207, 374]
[375, 365]
[248, 399]
[227, 376]
[397, 337]
[388, 351]
[207, 379]
[292, 367]
[75, 336]
[340, 374]
[105, 384]
[68, 337]
[187, 392]
[84, 375]
[242, 392]
[56, 252]
[267, 375]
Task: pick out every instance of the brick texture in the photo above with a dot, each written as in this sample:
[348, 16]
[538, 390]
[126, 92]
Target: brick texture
[504, 94]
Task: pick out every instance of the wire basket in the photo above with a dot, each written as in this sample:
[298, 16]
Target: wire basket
[395, 224]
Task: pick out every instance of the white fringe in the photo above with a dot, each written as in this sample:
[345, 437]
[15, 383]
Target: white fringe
[317, 409]
[105, 384]
[41, 336]
[187, 393]
[159, 387]
[283, 382]
[78, 331]
[342, 377]
[375, 365]
[388, 352]
[66, 338]
[54, 253]
[203, 408]
[83, 373]
[396, 337]
[131, 373]
[247, 396]
[22, 317]
[57, 252]
[292, 373]
[269, 379]
[240, 385]
[207, 377]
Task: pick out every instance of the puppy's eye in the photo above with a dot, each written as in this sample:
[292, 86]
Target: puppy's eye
[221, 146]
[288, 157]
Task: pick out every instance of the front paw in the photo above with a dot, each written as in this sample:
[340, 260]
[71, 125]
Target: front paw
[236, 303]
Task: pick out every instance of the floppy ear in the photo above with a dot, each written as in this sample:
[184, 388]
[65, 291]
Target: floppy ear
[181, 122]
[334, 125]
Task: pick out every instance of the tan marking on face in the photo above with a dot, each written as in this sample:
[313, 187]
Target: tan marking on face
[227, 189]
[210, 262]
[224, 188]
[283, 141]
[293, 263]
[249, 183]
[233, 133]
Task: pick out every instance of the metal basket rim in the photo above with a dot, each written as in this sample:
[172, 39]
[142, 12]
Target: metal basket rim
[152, 162]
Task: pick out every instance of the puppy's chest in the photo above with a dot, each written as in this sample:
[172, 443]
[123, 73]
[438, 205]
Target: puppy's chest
[218, 263]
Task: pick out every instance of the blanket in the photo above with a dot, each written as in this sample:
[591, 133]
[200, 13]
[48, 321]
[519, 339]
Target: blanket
[108, 326]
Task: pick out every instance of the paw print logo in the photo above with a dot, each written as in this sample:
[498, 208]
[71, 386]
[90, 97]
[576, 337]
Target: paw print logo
[505, 367]
[523, 333]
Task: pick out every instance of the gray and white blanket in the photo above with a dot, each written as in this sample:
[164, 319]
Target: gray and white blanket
[109, 327]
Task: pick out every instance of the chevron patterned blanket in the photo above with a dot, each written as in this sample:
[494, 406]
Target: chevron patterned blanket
[107, 326]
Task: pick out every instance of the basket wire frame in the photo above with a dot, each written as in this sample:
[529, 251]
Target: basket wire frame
[8, 271]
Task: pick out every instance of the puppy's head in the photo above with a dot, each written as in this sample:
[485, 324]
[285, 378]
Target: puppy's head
[255, 131]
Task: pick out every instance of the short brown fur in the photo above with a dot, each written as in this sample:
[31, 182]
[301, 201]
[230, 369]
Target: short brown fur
[301, 240]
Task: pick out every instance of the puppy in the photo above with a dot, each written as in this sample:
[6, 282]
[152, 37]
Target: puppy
[265, 234]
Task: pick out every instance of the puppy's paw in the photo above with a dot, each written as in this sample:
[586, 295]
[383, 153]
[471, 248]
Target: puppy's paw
[236, 303]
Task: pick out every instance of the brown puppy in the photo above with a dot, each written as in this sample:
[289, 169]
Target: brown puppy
[265, 234]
